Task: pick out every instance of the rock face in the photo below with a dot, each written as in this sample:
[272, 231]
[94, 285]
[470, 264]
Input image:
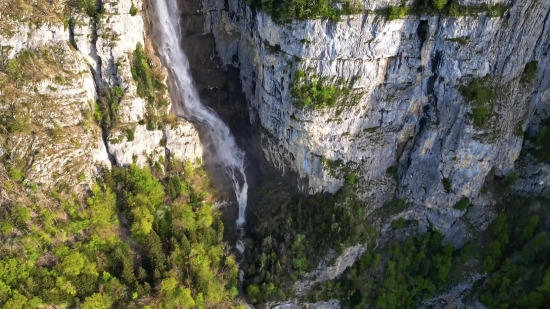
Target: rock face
[332, 304]
[64, 69]
[411, 114]
[324, 273]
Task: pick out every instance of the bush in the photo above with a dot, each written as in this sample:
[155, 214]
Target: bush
[530, 72]
[133, 10]
[396, 12]
[130, 135]
[320, 92]
[480, 94]
[439, 4]
[462, 204]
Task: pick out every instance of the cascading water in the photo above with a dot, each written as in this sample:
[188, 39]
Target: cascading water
[187, 103]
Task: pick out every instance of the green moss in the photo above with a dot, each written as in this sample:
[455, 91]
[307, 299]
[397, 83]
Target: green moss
[312, 91]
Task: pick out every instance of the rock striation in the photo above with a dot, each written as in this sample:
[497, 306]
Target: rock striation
[412, 114]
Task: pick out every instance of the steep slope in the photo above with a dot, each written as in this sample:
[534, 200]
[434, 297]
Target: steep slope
[437, 100]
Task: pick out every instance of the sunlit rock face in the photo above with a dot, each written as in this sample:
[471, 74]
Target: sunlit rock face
[411, 113]
[73, 64]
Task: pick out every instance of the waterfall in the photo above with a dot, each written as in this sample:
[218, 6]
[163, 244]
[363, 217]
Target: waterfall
[187, 104]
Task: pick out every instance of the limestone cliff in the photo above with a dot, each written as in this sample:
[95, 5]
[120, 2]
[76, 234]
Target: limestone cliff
[411, 75]
[61, 74]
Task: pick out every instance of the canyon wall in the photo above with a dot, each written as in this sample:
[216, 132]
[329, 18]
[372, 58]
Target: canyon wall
[410, 74]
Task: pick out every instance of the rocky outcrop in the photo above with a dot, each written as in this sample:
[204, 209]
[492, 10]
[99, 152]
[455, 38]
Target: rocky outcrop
[411, 114]
[113, 40]
[294, 304]
[324, 273]
[65, 67]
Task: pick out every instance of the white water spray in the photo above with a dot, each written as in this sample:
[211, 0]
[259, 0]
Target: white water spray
[187, 102]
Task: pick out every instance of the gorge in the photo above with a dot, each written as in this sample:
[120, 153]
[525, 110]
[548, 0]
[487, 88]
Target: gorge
[374, 154]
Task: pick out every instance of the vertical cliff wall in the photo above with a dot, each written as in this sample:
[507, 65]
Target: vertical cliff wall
[417, 79]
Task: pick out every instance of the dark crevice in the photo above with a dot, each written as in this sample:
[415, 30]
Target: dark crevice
[422, 31]
[71, 34]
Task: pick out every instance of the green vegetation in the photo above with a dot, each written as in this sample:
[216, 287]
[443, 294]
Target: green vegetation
[542, 143]
[392, 171]
[291, 232]
[320, 92]
[397, 276]
[514, 250]
[457, 10]
[130, 135]
[530, 72]
[89, 7]
[462, 204]
[287, 11]
[443, 7]
[133, 10]
[479, 92]
[396, 12]
[461, 40]
[141, 238]
[446, 185]
[518, 255]
[150, 87]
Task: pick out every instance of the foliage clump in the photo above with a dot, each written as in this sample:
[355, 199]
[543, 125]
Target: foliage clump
[150, 87]
[396, 12]
[133, 10]
[321, 92]
[89, 7]
[287, 11]
[530, 72]
[462, 204]
[479, 92]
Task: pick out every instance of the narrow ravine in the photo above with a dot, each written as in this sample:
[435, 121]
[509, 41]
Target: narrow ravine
[187, 104]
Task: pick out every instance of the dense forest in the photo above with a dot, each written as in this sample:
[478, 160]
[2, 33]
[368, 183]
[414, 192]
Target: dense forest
[509, 259]
[142, 238]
